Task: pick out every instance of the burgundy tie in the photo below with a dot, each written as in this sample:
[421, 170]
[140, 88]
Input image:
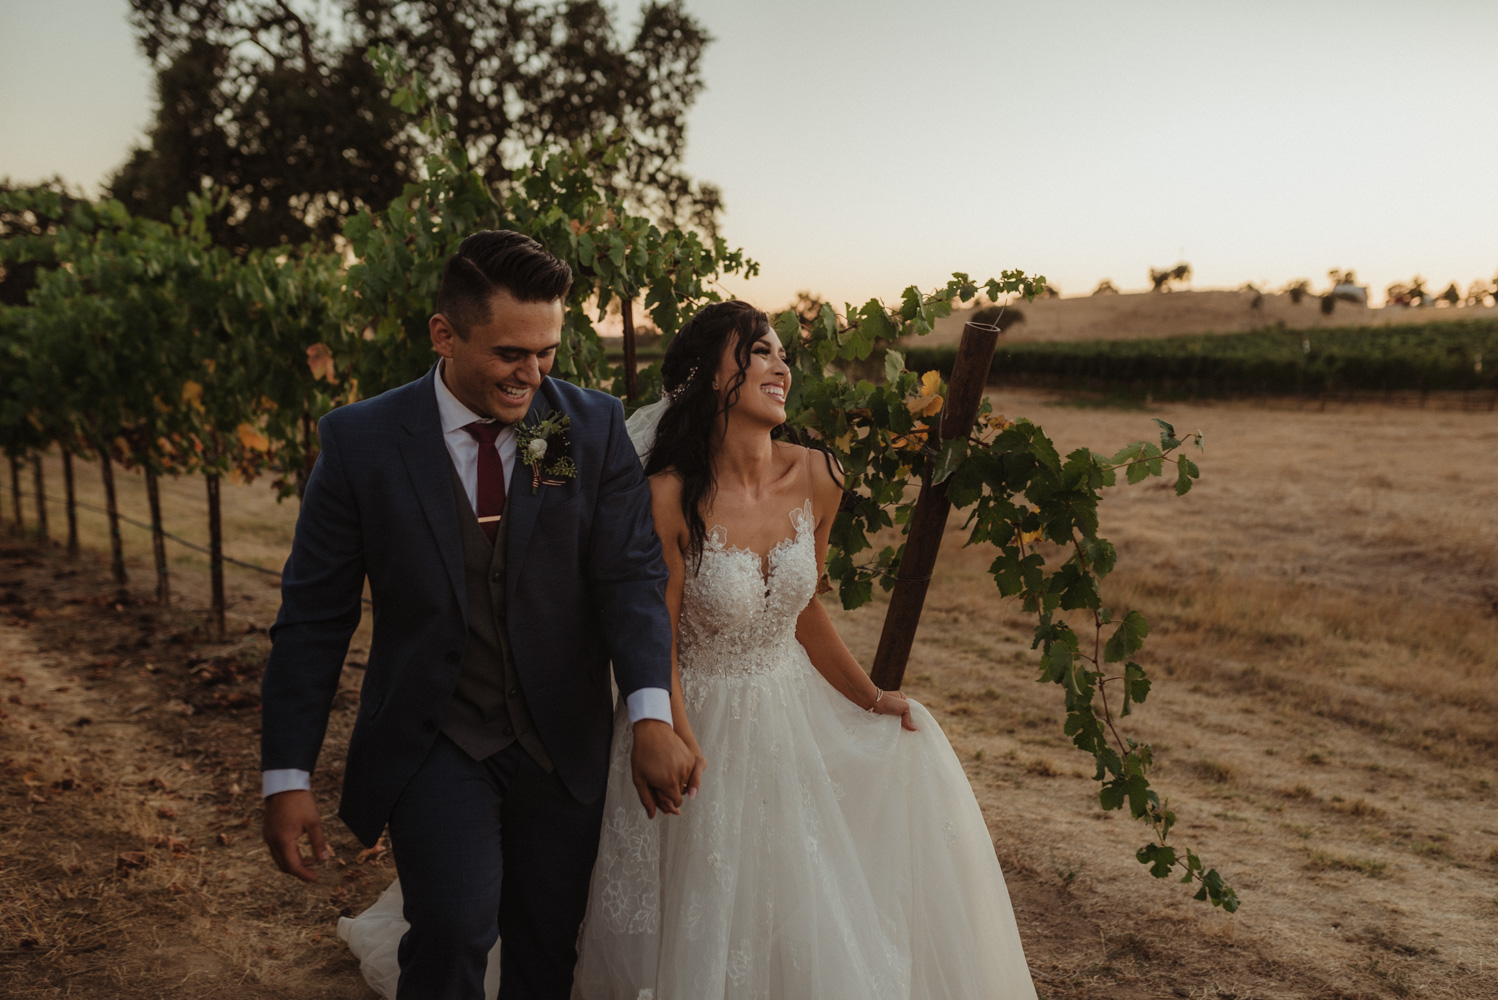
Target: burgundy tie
[491, 475]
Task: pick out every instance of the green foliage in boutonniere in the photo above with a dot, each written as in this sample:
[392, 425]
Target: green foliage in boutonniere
[545, 446]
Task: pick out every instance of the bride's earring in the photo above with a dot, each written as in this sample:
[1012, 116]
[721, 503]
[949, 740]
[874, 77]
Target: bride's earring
[715, 385]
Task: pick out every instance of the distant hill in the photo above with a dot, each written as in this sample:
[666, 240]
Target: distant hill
[1165, 314]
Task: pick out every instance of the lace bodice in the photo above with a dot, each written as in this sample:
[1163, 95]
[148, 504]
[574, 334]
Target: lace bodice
[738, 617]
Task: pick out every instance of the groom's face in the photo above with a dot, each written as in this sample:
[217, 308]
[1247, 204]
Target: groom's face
[497, 368]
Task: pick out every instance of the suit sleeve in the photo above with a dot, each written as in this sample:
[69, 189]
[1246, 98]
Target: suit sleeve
[321, 589]
[626, 572]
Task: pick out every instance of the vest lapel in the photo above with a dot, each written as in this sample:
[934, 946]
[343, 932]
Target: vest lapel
[425, 455]
[523, 504]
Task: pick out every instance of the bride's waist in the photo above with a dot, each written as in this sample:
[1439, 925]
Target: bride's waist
[725, 657]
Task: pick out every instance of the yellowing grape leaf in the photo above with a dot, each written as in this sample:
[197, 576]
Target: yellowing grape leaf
[928, 402]
[320, 360]
[912, 441]
[192, 395]
[253, 439]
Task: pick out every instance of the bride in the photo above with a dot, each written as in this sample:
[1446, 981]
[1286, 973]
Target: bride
[830, 852]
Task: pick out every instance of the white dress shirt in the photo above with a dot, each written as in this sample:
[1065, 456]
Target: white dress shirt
[463, 448]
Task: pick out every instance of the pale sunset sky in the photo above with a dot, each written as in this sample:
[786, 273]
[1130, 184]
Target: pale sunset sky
[864, 146]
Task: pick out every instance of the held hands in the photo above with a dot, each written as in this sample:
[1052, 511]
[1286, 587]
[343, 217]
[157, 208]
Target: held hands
[665, 768]
[893, 703]
[289, 815]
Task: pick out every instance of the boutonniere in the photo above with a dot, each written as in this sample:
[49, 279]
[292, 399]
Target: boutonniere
[545, 446]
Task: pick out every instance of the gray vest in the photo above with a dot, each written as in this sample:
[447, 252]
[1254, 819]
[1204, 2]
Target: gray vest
[488, 710]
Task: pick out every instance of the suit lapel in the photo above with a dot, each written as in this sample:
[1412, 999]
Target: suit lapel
[524, 505]
[425, 454]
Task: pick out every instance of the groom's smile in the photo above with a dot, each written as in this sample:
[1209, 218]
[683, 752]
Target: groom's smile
[497, 364]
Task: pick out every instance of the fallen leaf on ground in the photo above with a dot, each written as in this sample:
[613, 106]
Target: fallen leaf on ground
[125, 861]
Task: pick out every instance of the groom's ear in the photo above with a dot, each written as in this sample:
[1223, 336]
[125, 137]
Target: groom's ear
[443, 334]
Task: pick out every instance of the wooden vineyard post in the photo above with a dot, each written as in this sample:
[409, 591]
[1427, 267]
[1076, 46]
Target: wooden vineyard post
[158, 540]
[116, 546]
[67, 483]
[928, 520]
[15, 494]
[39, 483]
[216, 550]
[631, 386]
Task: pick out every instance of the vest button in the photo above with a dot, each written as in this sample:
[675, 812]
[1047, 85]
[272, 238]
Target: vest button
[513, 692]
[452, 656]
[509, 731]
[497, 578]
[428, 726]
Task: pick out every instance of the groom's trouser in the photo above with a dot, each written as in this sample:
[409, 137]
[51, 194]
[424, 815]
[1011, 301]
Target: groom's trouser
[490, 847]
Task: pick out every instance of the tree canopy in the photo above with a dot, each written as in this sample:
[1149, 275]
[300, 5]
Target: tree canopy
[17, 273]
[274, 101]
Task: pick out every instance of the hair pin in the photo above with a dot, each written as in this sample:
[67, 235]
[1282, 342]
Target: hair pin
[671, 395]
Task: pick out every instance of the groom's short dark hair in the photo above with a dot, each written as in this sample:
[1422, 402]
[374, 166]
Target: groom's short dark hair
[495, 259]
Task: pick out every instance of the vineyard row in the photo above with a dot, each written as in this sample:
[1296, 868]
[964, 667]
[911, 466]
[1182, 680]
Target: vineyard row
[1446, 357]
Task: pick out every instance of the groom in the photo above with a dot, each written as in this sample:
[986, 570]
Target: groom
[502, 588]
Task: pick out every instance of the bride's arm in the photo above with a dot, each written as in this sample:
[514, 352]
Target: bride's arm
[671, 526]
[814, 628]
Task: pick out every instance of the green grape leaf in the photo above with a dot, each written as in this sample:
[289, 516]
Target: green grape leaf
[1186, 471]
[1127, 638]
[953, 454]
[1159, 857]
[1136, 686]
[788, 327]
[1143, 460]
[874, 322]
[894, 364]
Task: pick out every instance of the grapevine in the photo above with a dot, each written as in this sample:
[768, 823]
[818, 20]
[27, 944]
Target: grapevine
[1019, 494]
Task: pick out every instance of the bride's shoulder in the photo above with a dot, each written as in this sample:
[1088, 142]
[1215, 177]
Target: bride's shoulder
[665, 487]
[666, 479]
[821, 471]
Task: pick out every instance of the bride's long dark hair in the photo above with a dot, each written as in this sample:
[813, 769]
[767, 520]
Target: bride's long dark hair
[683, 439]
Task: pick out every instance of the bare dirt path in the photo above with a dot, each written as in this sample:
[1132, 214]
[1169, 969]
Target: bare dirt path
[130, 856]
[1325, 647]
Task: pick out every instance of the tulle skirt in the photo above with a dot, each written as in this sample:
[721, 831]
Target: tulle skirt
[829, 856]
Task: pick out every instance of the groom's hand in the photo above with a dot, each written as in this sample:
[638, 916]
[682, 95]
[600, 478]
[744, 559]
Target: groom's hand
[662, 766]
[288, 816]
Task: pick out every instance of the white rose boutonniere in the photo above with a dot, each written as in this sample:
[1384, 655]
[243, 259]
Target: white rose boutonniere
[546, 448]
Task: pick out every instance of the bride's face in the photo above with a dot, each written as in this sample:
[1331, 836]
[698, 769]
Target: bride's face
[767, 379]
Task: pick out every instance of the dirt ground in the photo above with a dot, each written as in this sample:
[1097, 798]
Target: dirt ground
[1324, 612]
[1168, 314]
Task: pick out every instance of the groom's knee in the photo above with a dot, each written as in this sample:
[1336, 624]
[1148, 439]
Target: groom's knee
[460, 928]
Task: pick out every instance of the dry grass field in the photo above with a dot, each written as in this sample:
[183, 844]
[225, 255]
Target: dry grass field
[1168, 314]
[1324, 611]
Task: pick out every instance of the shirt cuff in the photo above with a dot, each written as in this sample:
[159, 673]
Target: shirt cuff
[649, 703]
[284, 779]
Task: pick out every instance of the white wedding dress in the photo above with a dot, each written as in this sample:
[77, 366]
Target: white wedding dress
[830, 855]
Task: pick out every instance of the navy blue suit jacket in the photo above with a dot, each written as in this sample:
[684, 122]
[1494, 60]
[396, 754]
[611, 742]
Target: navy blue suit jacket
[586, 584]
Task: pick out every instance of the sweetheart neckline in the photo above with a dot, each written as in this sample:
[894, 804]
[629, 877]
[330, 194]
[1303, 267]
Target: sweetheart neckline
[800, 517]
